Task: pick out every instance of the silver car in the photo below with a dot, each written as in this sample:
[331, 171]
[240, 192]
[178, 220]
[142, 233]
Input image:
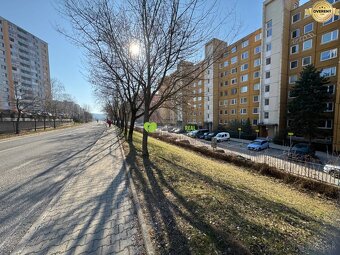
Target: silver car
[333, 170]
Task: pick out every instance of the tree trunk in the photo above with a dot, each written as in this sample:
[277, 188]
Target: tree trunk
[145, 151]
[44, 123]
[35, 124]
[132, 125]
[54, 123]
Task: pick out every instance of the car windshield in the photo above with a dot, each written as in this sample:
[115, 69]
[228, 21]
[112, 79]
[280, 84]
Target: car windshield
[256, 143]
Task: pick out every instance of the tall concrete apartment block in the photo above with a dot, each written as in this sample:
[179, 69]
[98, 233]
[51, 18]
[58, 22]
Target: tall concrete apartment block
[253, 77]
[24, 66]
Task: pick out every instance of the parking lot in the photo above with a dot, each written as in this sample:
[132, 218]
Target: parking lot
[273, 156]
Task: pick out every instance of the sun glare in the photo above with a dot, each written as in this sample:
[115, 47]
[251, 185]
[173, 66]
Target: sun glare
[134, 49]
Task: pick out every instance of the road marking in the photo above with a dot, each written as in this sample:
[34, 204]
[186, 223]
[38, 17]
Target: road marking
[22, 165]
[12, 148]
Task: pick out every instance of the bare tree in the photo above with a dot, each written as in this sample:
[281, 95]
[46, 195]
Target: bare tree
[138, 43]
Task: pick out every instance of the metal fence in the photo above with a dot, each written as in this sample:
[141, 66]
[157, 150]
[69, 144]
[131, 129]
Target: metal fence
[281, 162]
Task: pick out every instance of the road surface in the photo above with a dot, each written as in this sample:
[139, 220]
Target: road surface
[33, 170]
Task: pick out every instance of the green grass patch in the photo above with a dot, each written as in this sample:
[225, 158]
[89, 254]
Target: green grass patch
[202, 206]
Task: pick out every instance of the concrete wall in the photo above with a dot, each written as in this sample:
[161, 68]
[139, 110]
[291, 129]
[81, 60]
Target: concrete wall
[7, 125]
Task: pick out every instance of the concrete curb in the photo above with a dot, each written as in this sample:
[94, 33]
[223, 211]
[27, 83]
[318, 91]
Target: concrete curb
[150, 250]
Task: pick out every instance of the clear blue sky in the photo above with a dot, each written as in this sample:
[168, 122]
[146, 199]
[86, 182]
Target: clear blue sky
[66, 61]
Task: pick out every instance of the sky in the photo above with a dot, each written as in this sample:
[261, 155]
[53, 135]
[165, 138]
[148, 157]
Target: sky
[67, 62]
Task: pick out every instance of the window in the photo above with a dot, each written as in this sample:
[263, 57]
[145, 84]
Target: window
[225, 112]
[293, 64]
[334, 18]
[243, 111]
[296, 17]
[221, 112]
[331, 36]
[266, 115]
[308, 28]
[268, 61]
[269, 25]
[267, 75]
[257, 50]
[295, 33]
[226, 93]
[256, 110]
[233, 80]
[234, 70]
[328, 54]
[327, 124]
[258, 37]
[257, 86]
[233, 60]
[257, 62]
[244, 89]
[329, 107]
[245, 43]
[307, 44]
[226, 63]
[255, 99]
[293, 79]
[294, 49]
[225, 102]
[221, 94]
[333, 1]
[268, 47]
[233, 101]
[233, 49]
[328, 72]
[267, 88]
[243, 100]
[306, 61]
[226, 83]
[256, 74]
[330, 89]
[255, 122]
[234, 91]
[244, 67]
[244, 78]
[245, 55]
[233, 111]
[266, 101]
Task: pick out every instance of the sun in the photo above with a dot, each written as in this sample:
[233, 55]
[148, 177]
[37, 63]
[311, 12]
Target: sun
[134, 49]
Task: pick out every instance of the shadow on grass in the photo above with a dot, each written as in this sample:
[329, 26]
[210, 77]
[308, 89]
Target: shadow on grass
[166, 207]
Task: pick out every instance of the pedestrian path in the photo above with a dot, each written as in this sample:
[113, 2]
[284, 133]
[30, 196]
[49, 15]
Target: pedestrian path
[94, 213]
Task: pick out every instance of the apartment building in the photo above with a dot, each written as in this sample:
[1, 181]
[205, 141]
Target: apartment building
[254, 76]
[239, 81]
[24, 67]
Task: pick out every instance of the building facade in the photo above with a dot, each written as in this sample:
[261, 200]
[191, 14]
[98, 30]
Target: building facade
[253, 77]
[24, 68]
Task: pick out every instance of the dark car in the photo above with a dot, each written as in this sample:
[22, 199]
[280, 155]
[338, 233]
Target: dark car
[210, 135]
[199, 132]
[202, 135]
[302, 151]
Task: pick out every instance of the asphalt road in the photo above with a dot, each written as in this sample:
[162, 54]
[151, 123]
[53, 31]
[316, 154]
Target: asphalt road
[33, 169]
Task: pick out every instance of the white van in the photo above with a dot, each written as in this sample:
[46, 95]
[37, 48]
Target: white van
[222, 136]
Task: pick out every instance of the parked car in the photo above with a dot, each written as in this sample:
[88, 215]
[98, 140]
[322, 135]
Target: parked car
[333, 170]
[258, 145]
[199, 132]
[202, 135]
[222, 136]
[304, 152]
[210, 135]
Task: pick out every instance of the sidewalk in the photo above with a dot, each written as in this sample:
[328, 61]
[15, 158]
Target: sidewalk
[93, 214]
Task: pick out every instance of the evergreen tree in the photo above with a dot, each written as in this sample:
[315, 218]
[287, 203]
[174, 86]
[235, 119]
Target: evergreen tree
[309, 103]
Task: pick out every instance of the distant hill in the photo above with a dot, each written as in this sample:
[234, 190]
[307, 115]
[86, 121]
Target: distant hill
[98, 116]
